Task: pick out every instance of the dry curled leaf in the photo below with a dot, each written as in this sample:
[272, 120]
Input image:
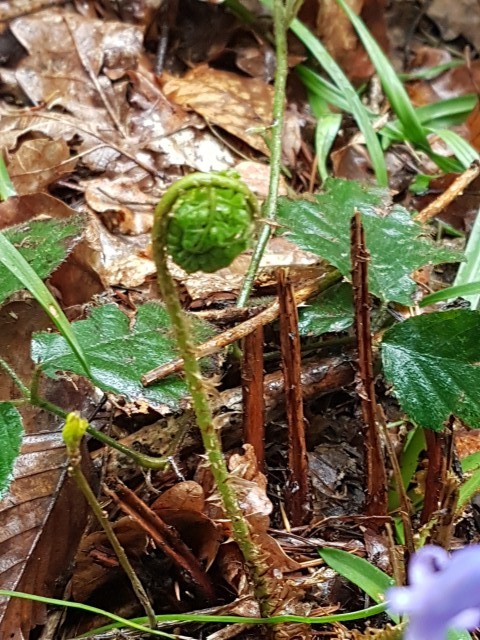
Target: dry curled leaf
[235, 103]
[38, 163]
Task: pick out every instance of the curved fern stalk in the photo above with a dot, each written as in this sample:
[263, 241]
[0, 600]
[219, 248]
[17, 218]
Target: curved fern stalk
[204, 221]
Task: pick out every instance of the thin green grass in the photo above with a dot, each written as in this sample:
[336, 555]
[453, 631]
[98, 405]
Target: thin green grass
[469, 271]
[176, 618]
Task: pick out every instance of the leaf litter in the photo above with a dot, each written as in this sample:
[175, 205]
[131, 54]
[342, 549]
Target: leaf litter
[87, 126]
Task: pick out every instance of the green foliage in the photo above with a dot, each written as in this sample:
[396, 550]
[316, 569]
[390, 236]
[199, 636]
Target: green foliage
[401, 104]
[44, 244]
[209, 226]
[460, 291]
[433, 363]
[15, 264]
[471, 484]
[189, 617]
[330, 312]
[414, 444]
[120, 352]
[454, 634]
[343, 86]
[362, 573]
[11, 432]
[469, 271]
[7, 190]
[322, 225]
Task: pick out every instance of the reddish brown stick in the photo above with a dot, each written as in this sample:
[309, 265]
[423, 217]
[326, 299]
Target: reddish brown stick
[297, 495]
[165, 537]
[252, 391]
[375, 474]
[241, 330]
[439, 452]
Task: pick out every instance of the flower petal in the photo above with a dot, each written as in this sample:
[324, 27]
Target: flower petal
[428, 560]
[467, 619]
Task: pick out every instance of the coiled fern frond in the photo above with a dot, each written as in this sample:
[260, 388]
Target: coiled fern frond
[206, 220]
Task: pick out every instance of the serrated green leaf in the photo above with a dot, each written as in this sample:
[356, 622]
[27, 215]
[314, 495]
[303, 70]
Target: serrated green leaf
[44, 244]
[11, 432]
[120, 351]
[330, 312]
[17, 266]
[322, 225]
[365, 575]
[433, 363]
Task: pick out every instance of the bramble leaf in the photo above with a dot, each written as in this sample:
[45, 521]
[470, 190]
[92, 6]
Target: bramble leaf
[433, 363]
[11, 432]
[120, 351]
[331, 311]
[44, 244]
[321, 224]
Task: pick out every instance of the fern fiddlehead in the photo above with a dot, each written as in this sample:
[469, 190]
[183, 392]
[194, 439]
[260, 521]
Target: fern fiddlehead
[204, 221]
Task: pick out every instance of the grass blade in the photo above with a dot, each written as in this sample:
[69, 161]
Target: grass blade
[459, 291]
[343, 84]
[7, 189]
[321, 87]
[465, 153]
[361, 572]
[394, 89]
[469, 271]
[16, 263]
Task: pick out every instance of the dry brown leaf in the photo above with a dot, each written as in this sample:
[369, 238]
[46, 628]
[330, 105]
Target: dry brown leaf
[225, 99]
[455, 19]
[251, 488]
[38, 163]
[197, 530]
[453, 83]
[124, 206]
[22, 208]
[43, 514]
[90, 573]
[187, 495]
[257, 176]
[115, 260]
[332, 26]
[277, 556]
[67, 53]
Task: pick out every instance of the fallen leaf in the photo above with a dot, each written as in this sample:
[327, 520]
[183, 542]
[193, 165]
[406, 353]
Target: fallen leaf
[235, 103]
[90, 573]
[23, 208]
[67, 53]
[43, 504]
[38, 163]
[459, 19]
[125, 207]
[197, 530]
[188, 496]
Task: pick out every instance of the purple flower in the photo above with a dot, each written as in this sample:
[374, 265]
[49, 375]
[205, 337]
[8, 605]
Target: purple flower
[443, 594]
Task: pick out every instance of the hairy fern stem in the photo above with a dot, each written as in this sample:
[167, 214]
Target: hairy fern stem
[199, 394]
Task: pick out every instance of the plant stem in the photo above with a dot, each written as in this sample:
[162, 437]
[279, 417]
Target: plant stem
[270, 207]
[201, 405]
[33, 397]
[14, 377]
[77, 474]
